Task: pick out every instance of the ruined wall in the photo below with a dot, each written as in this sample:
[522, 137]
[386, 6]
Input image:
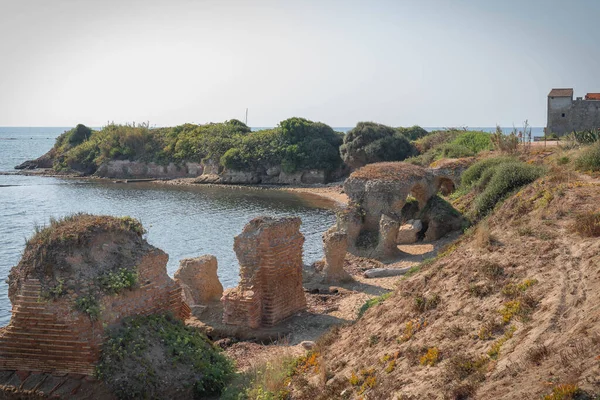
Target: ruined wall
[47, 334]
[566, 115]
[270, 254]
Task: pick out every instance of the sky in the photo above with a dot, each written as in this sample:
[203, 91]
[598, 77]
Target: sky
[435, 63]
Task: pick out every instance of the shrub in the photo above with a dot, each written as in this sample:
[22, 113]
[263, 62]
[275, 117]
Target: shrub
[424, 303]
[453, 150]
[431, 358]
[474, 172]
[587, 224]
[158, 356]
[370, 142]
[500, 181]
[589, 159]
[494, 351]
[116, 282]
[88, 304]
[564, 392]
[413, 133]
[476, 141]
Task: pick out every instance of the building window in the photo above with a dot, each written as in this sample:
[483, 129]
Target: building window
[563, 115]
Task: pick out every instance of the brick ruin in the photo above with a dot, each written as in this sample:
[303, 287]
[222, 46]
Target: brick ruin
[270, 254]
[335, 244]
[47, 332]
[199, 280]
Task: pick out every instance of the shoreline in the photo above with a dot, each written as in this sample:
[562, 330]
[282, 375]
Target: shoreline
[332, 193]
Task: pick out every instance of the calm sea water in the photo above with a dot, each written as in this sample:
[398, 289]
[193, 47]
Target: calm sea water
[182, 221]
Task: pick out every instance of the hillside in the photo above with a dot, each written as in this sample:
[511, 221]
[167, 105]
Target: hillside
[509, 311]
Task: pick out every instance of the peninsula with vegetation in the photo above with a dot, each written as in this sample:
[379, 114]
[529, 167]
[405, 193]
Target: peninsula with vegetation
[464, 265]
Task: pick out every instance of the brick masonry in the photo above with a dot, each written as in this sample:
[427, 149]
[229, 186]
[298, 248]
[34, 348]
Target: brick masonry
[52, 336]
[270, 254]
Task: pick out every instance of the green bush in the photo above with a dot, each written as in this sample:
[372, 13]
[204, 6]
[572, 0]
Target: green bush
[474, 172]
[158, 356]
[116, 282]
[589, 159]
[370, 142]
[476, 141]
[88, 304]
[452, 150]
[499, 181]
[412, 133]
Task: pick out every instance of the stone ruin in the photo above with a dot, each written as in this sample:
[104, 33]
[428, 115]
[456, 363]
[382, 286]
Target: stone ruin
[199, 280]
[335, 246]
[62, 298]
[270, 254]
[378, 193]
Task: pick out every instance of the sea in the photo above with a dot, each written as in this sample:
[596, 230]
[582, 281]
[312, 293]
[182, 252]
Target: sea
[183, 221]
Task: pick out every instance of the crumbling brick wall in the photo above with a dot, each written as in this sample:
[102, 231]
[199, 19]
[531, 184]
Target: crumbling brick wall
[51, 335]
[270, 254]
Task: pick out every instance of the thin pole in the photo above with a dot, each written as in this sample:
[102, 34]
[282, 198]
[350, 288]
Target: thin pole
[246, 122]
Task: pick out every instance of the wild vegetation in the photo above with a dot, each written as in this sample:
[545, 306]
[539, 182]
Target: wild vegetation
[294, 144]
[158, 356]
[451, 143]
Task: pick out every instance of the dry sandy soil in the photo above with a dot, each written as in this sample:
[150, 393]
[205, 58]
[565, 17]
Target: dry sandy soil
[511, 311]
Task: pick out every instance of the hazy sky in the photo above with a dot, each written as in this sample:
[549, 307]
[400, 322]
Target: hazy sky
[427, 62]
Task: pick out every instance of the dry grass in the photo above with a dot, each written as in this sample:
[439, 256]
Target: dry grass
[587, 224]
[391, 171]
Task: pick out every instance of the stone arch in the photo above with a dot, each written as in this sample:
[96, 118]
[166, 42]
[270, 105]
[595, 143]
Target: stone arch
[421, 192]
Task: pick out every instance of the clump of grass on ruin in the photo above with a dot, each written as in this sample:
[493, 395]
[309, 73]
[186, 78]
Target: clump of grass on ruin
[521, 308]
[373, 302]
[145, 348]
[73, 229]
[514, 290]
[88, 304]
[117, 281]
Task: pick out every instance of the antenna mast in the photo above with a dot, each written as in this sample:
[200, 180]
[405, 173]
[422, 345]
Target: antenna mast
[246, 122]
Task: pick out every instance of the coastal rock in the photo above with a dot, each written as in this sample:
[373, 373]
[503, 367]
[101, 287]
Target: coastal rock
[121, 169]
[378, 193]
[274, 171]
[199, 278]
[409, 232]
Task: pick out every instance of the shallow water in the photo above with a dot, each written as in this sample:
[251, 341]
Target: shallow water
[183, 221]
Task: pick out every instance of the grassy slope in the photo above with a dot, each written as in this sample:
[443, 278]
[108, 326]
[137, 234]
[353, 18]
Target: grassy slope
[552, 338]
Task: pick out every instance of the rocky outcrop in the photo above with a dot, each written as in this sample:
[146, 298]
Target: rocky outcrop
[270, 176]
[335, 245]
[409, 232]
[378, 194]
[121, 169]
[45, 161]
[198, 277]
[76, 278]
[270, 254]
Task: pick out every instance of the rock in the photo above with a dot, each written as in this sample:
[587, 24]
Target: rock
[409, 232]
[385, 272]
[308, 345]
[200, 276]
[334, 245]
[274, 171]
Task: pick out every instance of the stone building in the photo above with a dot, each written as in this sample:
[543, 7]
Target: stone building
[566, 115]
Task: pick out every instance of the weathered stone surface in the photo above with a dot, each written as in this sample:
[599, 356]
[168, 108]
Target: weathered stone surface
[378, 193]
[409, 232]
[198, 277]
[270, 254]
[121, 169]
[47, 331]
[335, 244]
[385, 272]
